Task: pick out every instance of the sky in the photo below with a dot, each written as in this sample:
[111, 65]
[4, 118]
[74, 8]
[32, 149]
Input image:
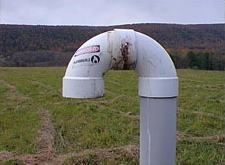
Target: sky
[111, 12]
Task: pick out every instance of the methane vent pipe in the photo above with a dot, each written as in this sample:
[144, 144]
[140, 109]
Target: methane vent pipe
[157, 86]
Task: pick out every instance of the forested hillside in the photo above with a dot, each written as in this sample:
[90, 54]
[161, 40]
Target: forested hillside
[195, 46]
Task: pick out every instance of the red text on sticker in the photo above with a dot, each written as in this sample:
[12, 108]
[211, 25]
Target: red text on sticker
[89, 49]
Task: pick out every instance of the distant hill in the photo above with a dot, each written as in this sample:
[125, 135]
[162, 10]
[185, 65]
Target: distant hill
[54, 45]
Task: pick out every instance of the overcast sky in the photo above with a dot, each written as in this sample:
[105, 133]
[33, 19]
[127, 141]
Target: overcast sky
[111, 12]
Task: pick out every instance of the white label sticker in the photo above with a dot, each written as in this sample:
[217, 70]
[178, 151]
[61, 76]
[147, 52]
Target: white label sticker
[86, 60]
[86, 50]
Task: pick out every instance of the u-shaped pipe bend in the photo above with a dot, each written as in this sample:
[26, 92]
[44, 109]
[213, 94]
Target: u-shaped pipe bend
[120, 49]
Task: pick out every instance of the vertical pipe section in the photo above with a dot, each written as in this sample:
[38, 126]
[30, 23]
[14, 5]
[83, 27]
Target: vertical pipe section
[157, 131]
[158, 89]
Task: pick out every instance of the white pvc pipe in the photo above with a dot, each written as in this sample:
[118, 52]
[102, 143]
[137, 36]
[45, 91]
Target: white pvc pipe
[157, 86]
[157, 131]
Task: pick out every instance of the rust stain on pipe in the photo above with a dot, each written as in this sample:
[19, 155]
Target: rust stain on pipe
[124, 60]
[125, 55]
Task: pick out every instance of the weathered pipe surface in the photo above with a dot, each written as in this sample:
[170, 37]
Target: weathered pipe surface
[157, 85]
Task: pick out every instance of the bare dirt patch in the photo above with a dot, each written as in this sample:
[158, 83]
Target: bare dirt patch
[97, 156]
[45, 144]
[5, 155]
[46, 135]
[127, 114]
[41, 85]
[14, 94]
[206, 114]
[182, 135]
[12, 88]
[124, 114]
[218, 138]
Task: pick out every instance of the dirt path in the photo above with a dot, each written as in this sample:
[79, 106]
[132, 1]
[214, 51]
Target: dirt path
[45, 144]
[217, 138]
[127, 152]
[96, 156]
[14, 94]
[206, 114]
[46, 135]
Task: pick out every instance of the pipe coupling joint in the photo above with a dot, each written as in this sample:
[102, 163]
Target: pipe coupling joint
[158, 87]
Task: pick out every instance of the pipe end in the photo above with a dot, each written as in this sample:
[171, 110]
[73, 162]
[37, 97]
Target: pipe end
[82, 87]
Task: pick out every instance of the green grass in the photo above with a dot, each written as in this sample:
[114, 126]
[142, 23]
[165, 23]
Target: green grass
[12, 162]
[82, 124]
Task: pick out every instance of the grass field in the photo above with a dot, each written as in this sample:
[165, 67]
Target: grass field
[39, 126]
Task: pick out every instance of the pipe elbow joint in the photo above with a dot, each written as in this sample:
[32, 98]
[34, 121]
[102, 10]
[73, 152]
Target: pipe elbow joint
[84, 74]
[157, 74]
[120, 49]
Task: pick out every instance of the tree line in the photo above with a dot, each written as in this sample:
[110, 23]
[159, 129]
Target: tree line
[190, 46]
[199, 60]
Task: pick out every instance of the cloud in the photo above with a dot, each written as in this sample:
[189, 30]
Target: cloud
[111, 12]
